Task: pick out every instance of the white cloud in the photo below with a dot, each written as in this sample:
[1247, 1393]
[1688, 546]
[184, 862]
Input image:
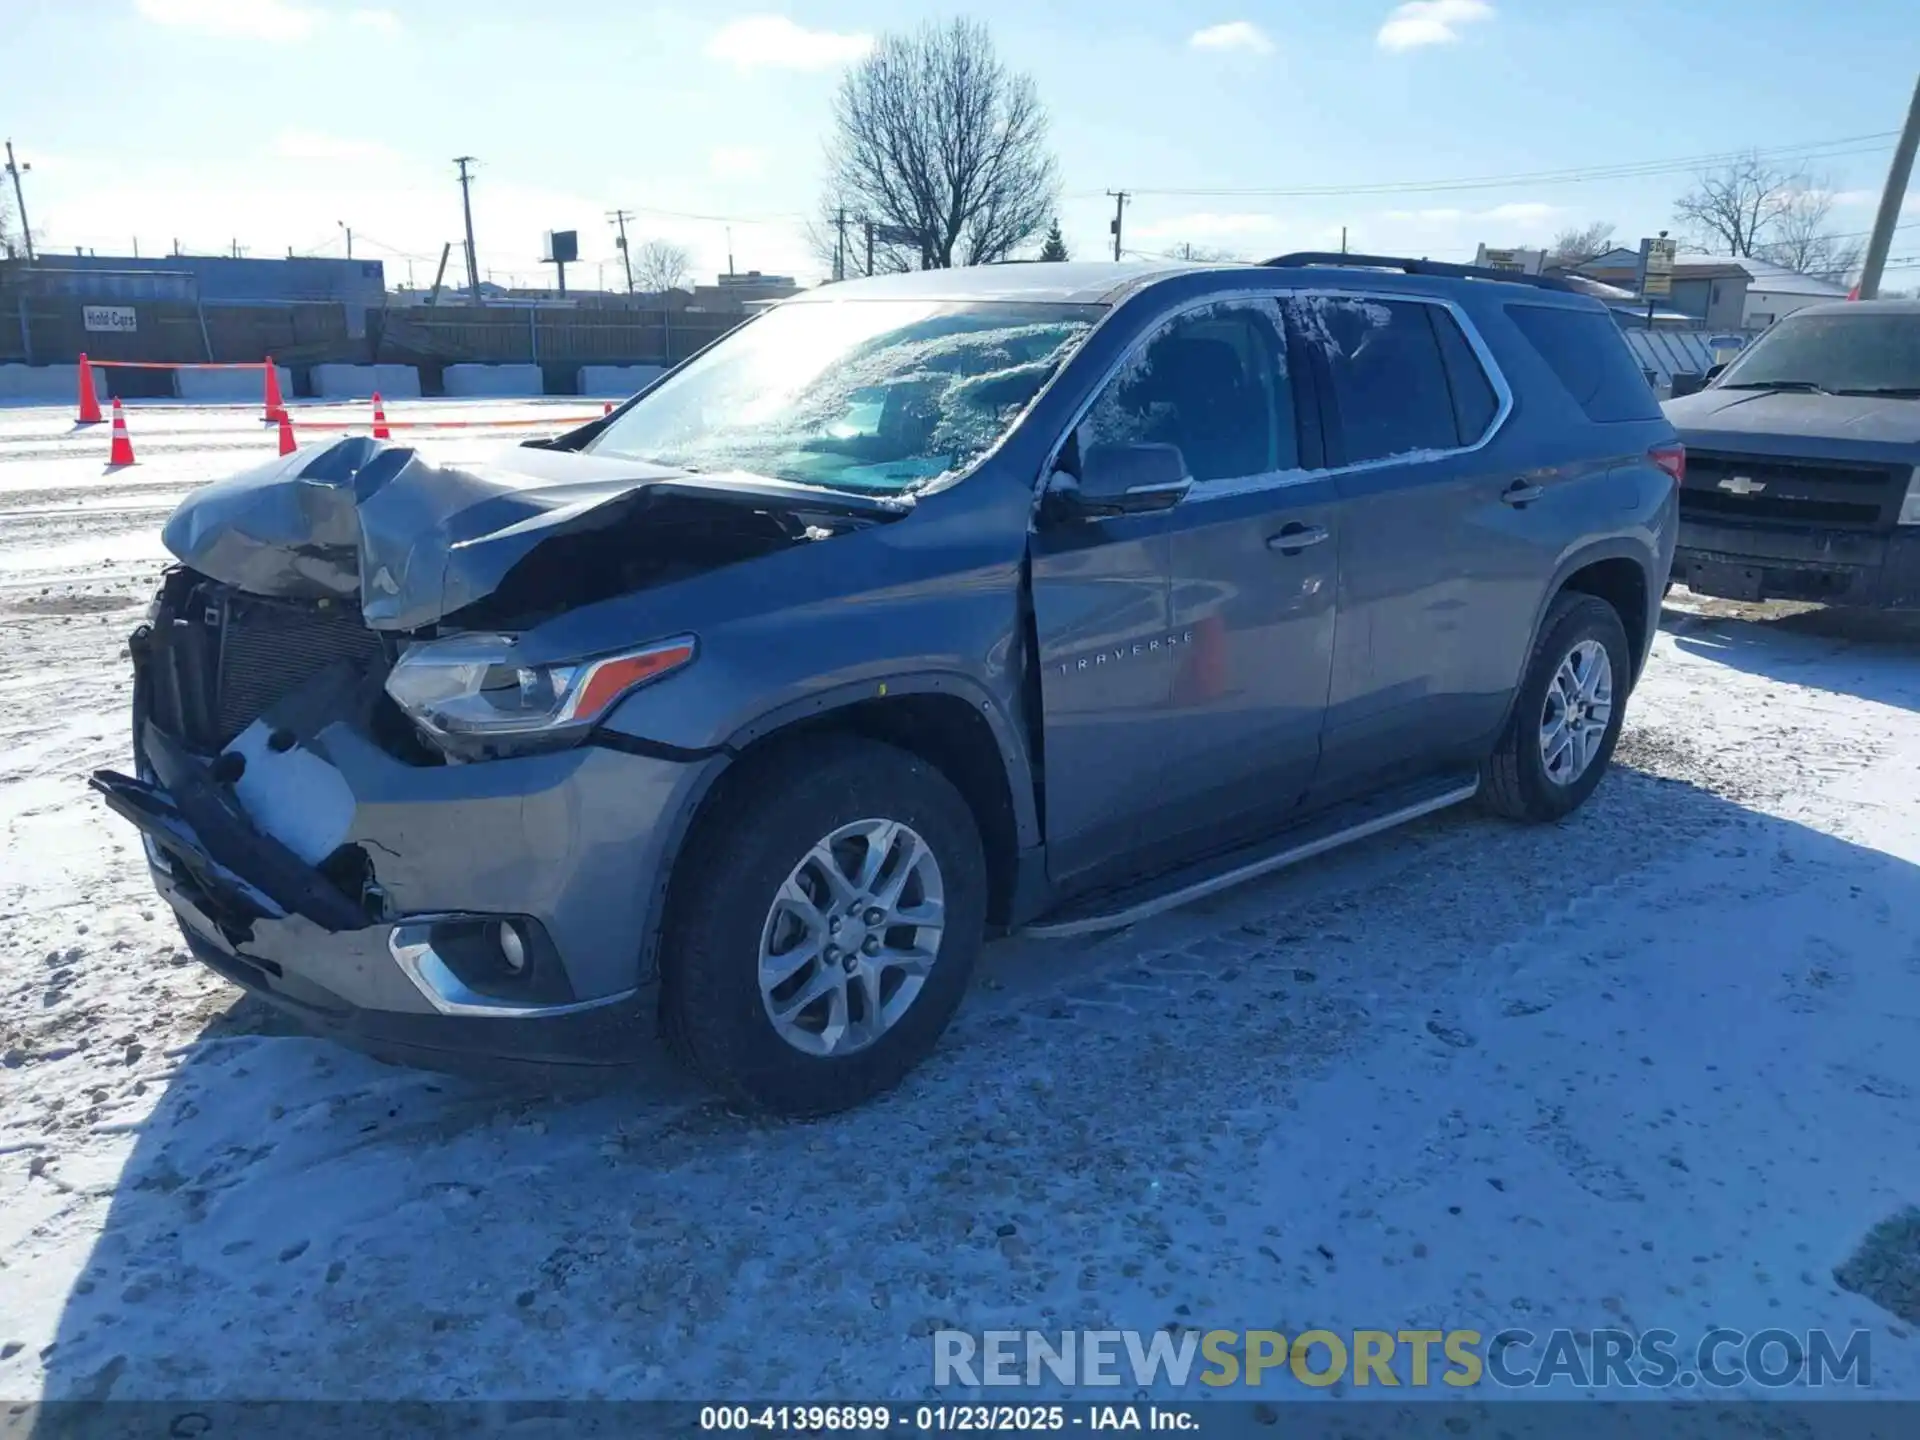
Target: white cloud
[774, 42]
[1430, 22]
[246, 19]
[736, 162]
[1233, 35]
[384, 21]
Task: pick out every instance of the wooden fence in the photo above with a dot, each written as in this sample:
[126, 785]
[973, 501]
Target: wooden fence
[49, 330]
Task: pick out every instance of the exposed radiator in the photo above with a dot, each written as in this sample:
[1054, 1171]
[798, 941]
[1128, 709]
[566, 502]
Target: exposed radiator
[269, 648]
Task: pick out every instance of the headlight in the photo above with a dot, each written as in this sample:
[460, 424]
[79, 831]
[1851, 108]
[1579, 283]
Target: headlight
[473, 685]
[1910, 507]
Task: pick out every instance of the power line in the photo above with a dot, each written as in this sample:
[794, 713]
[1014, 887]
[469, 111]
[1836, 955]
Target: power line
[1805, 150]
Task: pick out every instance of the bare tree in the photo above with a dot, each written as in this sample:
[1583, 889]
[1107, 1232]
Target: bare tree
[1576, 246]
[1206, 254]
[661, 265]
[1735, 209]
[1802, 240]
[943, 148]
[10, 238]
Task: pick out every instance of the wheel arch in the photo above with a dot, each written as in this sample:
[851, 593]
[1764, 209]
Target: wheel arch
[1618, 573]
[949, 721]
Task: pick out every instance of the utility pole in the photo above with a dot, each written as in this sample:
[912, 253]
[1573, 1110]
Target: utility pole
[1890, 201]
[1343, 239]
[620, 218]
[729, 252]
[1119, 209]
[466, 205]
[20, 200]
[349, 229]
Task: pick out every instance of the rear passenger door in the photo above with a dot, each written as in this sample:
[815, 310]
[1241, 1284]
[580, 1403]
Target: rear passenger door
[1409, 406]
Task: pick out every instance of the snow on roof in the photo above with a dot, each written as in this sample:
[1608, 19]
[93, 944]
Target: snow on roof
[1765, 275]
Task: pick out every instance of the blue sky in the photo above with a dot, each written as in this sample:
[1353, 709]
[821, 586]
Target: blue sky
[272, 121]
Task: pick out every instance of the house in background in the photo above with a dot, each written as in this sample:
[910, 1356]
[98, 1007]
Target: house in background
[1721, 292]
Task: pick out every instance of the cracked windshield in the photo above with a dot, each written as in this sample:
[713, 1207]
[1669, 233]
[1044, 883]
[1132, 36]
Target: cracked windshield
[881, 396]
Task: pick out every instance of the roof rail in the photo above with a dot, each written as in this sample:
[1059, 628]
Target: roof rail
[1437, 268]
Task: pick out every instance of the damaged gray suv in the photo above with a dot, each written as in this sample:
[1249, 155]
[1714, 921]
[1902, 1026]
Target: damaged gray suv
[917, 609]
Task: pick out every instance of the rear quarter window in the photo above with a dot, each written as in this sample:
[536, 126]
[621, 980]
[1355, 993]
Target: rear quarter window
[1588, 355]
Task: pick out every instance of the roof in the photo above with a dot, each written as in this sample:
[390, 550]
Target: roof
[1065, 282]
[1778, 279]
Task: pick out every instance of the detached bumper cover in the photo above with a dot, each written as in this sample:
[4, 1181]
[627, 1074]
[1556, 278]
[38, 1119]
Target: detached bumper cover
[578, 842]
[1833, 567]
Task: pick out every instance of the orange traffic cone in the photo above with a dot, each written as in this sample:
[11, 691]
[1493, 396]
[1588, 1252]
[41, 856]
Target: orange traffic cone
[380, 430]
[287, 445]
[276, 408]
[122, 451]
[89, 397]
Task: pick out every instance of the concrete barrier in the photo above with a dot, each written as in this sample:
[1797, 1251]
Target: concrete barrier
[210, 387]
[493, 380]
[357, 382]
[47, 383]
[617, 381]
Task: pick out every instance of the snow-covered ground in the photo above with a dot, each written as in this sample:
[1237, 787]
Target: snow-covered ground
[1656, 1067]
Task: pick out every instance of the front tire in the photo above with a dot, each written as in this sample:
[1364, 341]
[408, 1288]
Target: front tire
[1567, 715]
[833, 907]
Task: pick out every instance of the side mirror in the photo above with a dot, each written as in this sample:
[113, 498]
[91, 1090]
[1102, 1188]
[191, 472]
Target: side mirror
[1128, 480]
[1687, 382]
[1715, 371]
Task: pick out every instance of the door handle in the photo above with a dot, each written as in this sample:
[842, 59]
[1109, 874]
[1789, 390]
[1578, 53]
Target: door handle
[1296, 537]
[1521, 494]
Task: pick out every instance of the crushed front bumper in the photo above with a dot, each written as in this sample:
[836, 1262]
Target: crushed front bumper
[375, 939]
[1826, 566]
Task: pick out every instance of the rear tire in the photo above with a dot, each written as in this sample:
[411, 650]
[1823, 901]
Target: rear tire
[1566, 717]
[757, 897]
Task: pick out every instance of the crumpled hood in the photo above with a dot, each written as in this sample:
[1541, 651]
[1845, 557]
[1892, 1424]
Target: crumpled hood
[1788, 422]
[414, 540]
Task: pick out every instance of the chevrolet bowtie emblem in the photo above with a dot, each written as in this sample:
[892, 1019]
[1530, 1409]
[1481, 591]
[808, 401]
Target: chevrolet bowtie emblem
[1742, 485]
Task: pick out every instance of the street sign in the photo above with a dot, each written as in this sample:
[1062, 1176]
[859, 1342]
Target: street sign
[563, 247]
[1518, 262]
[1656, 267]
[110, 319]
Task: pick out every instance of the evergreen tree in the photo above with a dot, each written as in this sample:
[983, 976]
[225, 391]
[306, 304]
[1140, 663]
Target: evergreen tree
[1056, 246]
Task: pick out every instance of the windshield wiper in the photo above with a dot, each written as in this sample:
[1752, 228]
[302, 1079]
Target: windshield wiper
[1809, 386]
[1902, 392]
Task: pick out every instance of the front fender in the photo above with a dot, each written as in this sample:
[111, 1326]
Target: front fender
[1006, 732]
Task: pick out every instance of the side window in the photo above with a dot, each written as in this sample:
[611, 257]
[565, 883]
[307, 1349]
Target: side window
[1389, 384]
[1212, 381]
[1474, 401]
[1589, 355]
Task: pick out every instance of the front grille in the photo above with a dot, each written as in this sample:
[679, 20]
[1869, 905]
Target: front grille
[1717, 505]
[1759, 489]
[270, 648]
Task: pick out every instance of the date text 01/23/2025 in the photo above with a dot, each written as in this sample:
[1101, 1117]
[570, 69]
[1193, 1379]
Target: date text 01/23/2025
[956, 1418]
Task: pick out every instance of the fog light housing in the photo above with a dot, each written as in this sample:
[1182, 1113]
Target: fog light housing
[476, 964]
[513, 950]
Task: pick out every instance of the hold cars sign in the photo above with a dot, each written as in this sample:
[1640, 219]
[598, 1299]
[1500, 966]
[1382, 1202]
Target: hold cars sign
[110, 319]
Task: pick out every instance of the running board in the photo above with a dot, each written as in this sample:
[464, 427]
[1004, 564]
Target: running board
[1196, 882]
